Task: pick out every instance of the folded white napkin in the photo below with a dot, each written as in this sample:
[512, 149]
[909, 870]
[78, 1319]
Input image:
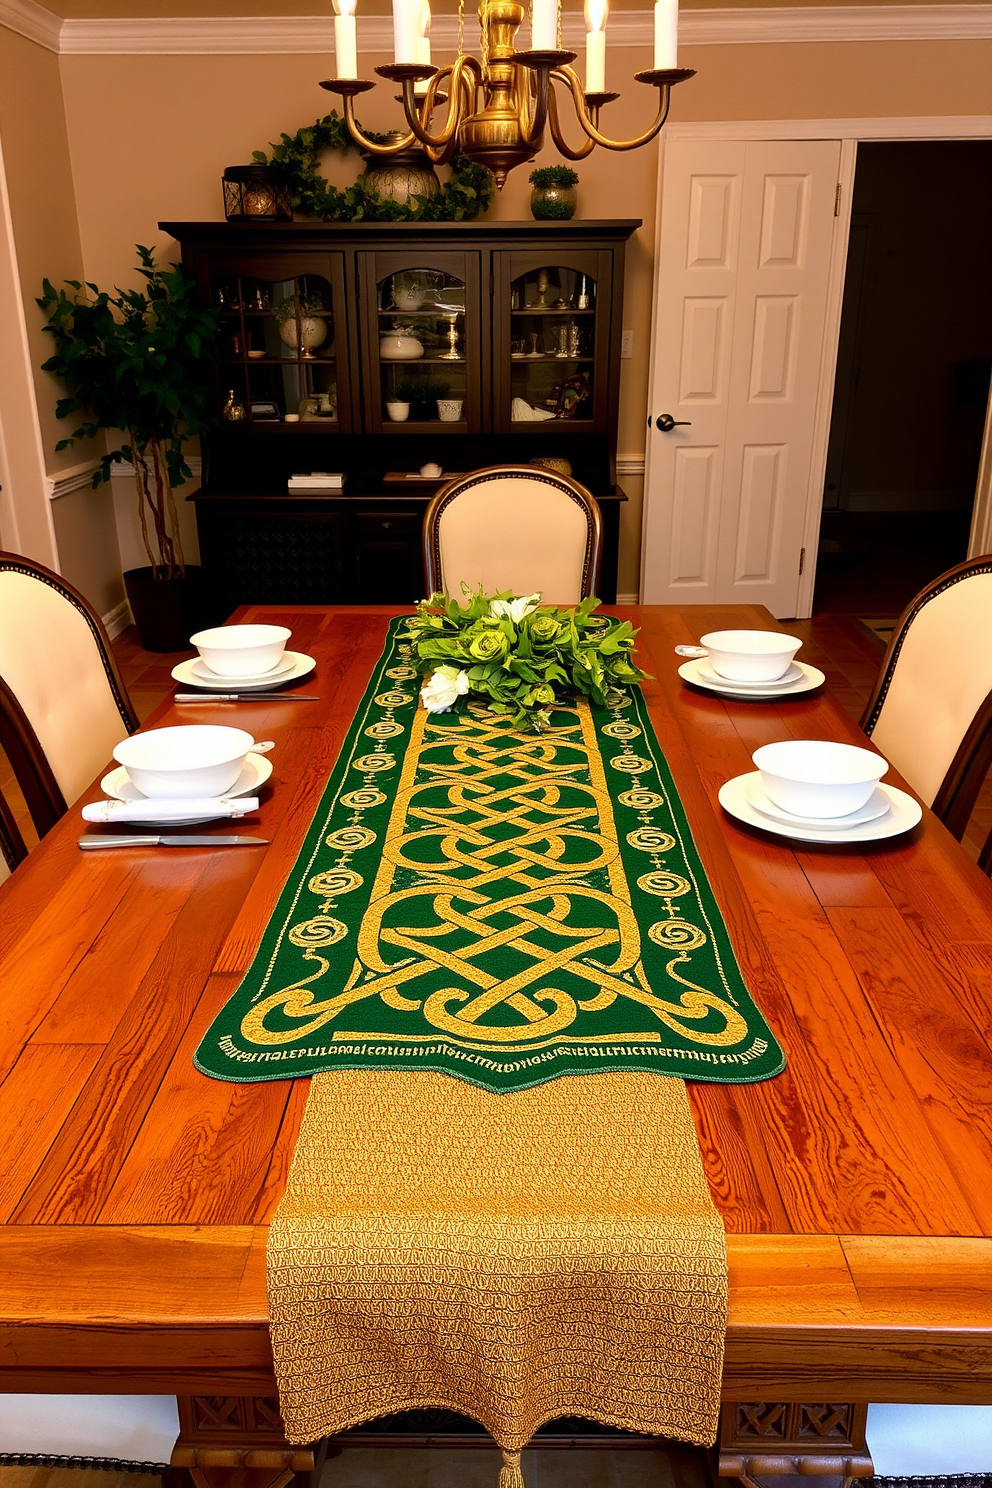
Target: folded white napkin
[169, 809]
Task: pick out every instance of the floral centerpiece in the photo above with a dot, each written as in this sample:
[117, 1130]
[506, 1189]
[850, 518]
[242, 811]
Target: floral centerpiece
[518, 654]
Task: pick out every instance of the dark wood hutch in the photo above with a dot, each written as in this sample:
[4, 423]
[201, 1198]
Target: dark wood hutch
[391, 346]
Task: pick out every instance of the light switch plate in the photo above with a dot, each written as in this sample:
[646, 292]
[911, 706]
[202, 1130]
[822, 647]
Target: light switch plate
[627, 346]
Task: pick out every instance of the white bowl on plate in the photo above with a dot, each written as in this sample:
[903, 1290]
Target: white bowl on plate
[196, 760]
[817, 778]
[750, 655]
[241, 650]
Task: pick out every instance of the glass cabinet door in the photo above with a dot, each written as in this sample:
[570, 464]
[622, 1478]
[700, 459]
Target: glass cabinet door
[422, 343]
[554, 344]
[282, 344]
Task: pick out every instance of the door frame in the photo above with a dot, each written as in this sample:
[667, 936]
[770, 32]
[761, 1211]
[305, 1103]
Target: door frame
[850, 133]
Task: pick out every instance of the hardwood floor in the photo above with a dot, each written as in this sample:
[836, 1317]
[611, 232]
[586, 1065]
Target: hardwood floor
[391, 1467]
[833, 642]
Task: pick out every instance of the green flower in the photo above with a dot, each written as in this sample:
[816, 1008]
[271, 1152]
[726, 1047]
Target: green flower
[544, 629]
[488, 645]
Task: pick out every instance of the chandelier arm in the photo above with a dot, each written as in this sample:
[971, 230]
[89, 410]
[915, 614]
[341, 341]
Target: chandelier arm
[461, 96]
[588, 145]
[571, 80]
[354, 129]
[533, 121]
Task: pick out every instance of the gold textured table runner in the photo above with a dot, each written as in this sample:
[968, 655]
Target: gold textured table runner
[514, 1258]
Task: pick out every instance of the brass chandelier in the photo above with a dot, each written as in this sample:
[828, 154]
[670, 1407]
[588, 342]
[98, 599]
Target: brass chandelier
[499, 107]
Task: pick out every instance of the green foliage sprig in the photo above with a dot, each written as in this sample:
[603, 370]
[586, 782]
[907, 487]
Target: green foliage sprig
[553, 175]
[138, 360]
[519, 654]
[296, 157]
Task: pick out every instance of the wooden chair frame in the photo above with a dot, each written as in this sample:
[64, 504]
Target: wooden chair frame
[454, 488]
[12, 848]
[958, 791]
[18, 739]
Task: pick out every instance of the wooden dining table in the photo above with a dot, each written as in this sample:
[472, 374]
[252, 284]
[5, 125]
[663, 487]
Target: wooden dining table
[855, 1187]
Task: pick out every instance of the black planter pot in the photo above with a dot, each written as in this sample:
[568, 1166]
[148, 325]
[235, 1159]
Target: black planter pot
[166, 611]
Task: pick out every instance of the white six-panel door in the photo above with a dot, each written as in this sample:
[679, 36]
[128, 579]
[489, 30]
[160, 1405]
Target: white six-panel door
[740, 304]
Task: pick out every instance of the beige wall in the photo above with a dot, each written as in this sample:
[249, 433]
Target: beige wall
[45, 236]
[149, 137]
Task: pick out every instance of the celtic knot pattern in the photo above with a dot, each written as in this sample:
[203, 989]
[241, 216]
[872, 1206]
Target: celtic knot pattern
[505, 899]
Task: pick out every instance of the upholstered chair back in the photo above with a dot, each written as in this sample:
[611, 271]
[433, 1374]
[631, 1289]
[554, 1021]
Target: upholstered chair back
[514, 527]
[931, 712]
[58, 677]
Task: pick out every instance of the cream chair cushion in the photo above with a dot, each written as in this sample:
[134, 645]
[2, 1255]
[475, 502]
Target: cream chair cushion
[50, 660]
[942, 675]
[511, 532]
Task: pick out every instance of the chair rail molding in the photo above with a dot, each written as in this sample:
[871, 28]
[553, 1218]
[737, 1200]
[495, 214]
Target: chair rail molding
[234, 35]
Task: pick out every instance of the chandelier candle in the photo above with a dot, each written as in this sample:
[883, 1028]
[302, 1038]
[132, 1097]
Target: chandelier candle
[666, 33]
[544, 26]
[596, 12]
[345, 39]
[424, 47]
[406, 31]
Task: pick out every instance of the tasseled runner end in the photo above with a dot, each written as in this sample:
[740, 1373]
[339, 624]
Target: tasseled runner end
[510, 1475]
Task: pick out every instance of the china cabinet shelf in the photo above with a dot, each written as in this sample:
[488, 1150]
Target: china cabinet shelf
[259, 544]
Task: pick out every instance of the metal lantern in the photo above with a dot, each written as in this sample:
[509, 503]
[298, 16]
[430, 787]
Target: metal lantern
[256, 191]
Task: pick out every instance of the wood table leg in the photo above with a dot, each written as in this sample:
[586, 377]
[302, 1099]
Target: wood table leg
[770, 1439]
[238, 1441]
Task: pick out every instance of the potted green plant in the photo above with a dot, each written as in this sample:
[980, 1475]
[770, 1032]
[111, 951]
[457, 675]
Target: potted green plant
[553, 197]
[139, 360]
[422, 394]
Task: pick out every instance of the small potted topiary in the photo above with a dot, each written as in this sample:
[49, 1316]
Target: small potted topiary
[553, 197]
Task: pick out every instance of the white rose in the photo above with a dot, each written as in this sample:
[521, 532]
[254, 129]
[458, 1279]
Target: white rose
[514, 609]
[443, 688]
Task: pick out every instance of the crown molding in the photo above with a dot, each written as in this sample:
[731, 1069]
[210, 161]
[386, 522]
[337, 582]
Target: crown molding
[268, 35]
[32, 20]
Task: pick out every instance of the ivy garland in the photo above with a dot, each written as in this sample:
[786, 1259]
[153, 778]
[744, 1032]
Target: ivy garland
[296, 157]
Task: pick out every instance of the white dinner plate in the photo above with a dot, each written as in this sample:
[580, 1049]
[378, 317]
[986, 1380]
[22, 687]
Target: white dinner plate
[709, 673]
[120, 787]
[809, 677]
[200, 669]
[876, 805]
[301, 667]
[903, 813]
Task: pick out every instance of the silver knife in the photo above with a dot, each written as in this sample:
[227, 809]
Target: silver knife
[145, 841]
[245, 697]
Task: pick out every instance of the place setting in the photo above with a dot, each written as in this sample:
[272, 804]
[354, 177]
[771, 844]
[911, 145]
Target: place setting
[181, 776]
[815, 790]
[755, 664]
[237, 661]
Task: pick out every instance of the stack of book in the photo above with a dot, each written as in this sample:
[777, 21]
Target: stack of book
[317, 483]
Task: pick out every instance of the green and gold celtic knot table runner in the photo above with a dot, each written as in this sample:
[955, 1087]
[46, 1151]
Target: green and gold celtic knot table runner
[503, 907]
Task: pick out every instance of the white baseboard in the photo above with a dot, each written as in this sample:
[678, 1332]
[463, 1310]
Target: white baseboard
[118, 619]
[628, 599]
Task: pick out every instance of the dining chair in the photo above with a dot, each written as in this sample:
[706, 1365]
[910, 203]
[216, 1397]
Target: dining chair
[514, 527]
[930, 713]
[63, 703]
[12, 849]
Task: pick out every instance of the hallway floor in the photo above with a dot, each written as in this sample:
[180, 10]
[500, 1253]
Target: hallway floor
[873, 563]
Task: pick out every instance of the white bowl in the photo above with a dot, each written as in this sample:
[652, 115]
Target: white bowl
[199, 760]
[242, 650]
[813, 777]
[750, 655]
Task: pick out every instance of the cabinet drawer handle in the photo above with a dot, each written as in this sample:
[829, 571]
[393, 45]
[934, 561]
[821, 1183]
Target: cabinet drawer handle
[387, 525]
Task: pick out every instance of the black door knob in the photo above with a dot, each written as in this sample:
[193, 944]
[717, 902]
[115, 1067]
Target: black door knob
[665, 423]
